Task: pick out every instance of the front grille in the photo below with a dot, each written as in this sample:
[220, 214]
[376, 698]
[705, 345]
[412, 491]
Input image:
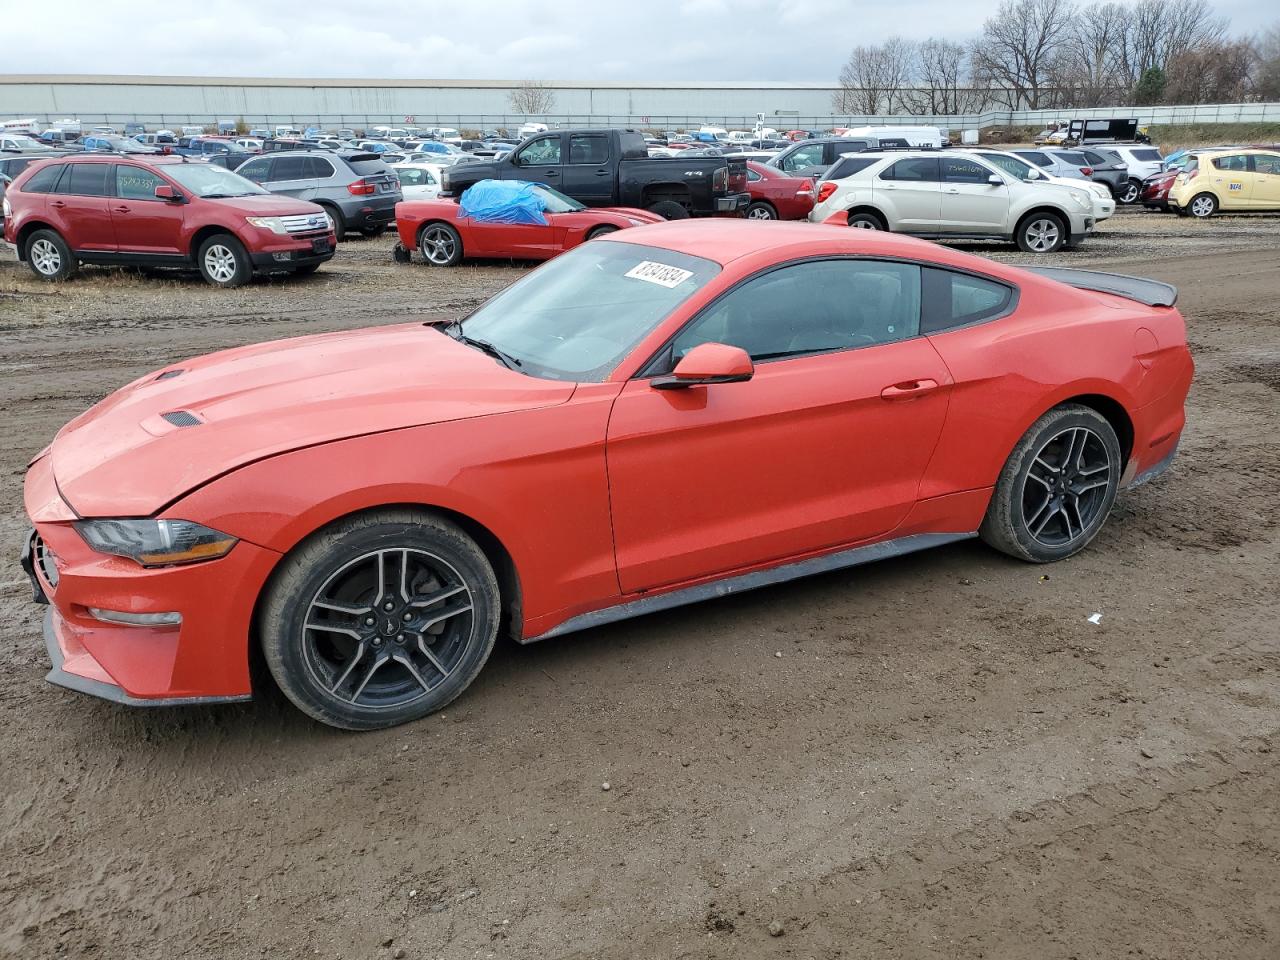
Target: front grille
[181, 418]
[306, 222]
[46, 562]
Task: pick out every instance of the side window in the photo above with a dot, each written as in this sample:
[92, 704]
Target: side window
[960, 170]
[920, 169]
[429, 178]
[256, 170]
[1036, 157]
[1236, 163]
[86, 180]
[812, 307]
[1267, 163]
[410, 177]
[1096, 159]
[44, 179]
[955, 299]
[810, 156]
[134, 183]
[316, 168]
[289, 168]
[544, 150]
[588, 148]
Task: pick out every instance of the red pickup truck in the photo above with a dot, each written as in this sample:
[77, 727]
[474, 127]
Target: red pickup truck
[159, 211]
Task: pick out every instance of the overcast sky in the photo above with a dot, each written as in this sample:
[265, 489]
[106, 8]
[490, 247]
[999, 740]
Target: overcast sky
[694, 40]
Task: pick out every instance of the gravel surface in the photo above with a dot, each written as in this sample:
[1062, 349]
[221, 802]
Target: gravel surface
[948, 759]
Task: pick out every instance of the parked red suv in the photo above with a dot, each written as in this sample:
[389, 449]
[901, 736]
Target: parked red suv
[159, 211]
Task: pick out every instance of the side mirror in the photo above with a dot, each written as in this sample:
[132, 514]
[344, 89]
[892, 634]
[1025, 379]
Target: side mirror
[1034, 174]
[168, 194]
[708, 363]
[996, 180]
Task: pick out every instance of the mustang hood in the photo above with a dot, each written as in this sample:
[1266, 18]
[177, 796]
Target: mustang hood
[171, 431]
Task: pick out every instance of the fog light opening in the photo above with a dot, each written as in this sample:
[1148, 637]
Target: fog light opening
[282, 257]
[170, 619]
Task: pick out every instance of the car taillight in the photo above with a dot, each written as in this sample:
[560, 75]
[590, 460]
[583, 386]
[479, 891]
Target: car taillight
[720, 179]
[1087, 171]
[361, 188]
[825, 190]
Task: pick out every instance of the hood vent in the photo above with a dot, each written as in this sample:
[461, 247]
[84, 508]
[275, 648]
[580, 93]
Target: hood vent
[182, 418]
[169, 375]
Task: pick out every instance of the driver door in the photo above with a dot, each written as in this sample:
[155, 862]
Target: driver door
[970, 202]
[825, 445]
[539, 161]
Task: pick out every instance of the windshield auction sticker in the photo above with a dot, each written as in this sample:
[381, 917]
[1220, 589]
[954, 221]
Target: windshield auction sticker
[659, 273]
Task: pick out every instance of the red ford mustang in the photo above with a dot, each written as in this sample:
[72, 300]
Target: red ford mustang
[433, 228]
[663, 416]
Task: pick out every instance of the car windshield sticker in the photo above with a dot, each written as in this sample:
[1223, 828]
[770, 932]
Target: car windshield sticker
[659, 273]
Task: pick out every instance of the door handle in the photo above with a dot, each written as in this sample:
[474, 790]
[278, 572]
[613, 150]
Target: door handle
[953, 189]
[59, 204]
[553, 173]
[120, 209]
[908, 389]
[602, 173]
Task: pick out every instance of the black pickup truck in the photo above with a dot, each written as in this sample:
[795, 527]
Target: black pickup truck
[612, 168]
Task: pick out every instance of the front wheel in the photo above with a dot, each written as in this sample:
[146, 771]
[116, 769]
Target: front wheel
[440, 244]
[1203, 206]
[1056, 488]
[1042, 233]
[223, 261]
[380, 619]
[50, 257]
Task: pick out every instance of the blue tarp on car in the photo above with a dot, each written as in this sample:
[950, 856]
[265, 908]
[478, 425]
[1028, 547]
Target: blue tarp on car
[502, 201]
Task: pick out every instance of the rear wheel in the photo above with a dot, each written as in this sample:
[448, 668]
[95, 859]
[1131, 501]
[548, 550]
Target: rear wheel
[49, 256]
[865, 221]
[1203, 205]
[339, 221]
[1056, 488]
[440, 244]
[223, 261]
[1130, 192]
[669, 209]
[381, 619]
[761, 211]
[1042, 232]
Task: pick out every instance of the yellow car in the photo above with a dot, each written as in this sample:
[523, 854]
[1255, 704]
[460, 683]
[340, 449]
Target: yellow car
[1239, 179]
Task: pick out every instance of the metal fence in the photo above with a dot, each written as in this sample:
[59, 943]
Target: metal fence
[1202, 113]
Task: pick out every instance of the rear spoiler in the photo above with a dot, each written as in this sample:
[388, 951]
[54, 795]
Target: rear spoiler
[1151, 292]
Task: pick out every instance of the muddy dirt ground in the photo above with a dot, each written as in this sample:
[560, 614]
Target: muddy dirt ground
[948, 760]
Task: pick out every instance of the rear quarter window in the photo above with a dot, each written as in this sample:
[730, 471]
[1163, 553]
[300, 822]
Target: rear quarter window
[363, 167]
[43, 180]
[848, 166]
[952, 299]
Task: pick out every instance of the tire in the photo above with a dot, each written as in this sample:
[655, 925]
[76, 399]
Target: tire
[417, 655]
[669, 210]
[761, 211]
[306, 270]
[223, 261]
[1130, 192]
[49, 256]
[1203, 206]
[866, 221]
[371, 233]
[339, 221]
[440, 245]
[1039, 511]
[1041, 232]
[601, 232]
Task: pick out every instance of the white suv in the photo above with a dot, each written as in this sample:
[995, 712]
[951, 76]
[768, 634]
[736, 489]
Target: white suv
[1104, 205]
[948, 194]
[1144, 161]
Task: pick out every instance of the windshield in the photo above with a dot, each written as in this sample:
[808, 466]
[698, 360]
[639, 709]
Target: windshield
[576, 317]
[209, 181]
[555, 202]
[1011, 165]
[27, 143]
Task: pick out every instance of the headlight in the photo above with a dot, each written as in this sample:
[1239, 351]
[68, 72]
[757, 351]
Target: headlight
[274, 224]
[1082, 199]
[155, 543]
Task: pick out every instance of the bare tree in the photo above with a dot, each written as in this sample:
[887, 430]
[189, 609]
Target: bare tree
[1160, 30]
[1266, 81]
[1088, 70]
[532, 97]
[1019, 45]
[875, 76]
[942, 79]
[1216, 73]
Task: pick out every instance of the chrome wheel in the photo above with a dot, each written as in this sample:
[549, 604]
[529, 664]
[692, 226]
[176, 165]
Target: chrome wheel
[760, 212]
[1064, 492]
[45, 257]
[1043, 235]
[388, 628]
[220, 263]
[866, 223]
[1202, 206]
[439, 245]
[1130, 192]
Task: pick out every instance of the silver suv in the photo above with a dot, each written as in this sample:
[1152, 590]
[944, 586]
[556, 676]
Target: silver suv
[357, 189]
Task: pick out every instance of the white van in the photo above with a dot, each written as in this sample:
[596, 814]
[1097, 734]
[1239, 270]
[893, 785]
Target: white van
[719, 133]
[530, 129]
[30, 126]
[915, 136]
